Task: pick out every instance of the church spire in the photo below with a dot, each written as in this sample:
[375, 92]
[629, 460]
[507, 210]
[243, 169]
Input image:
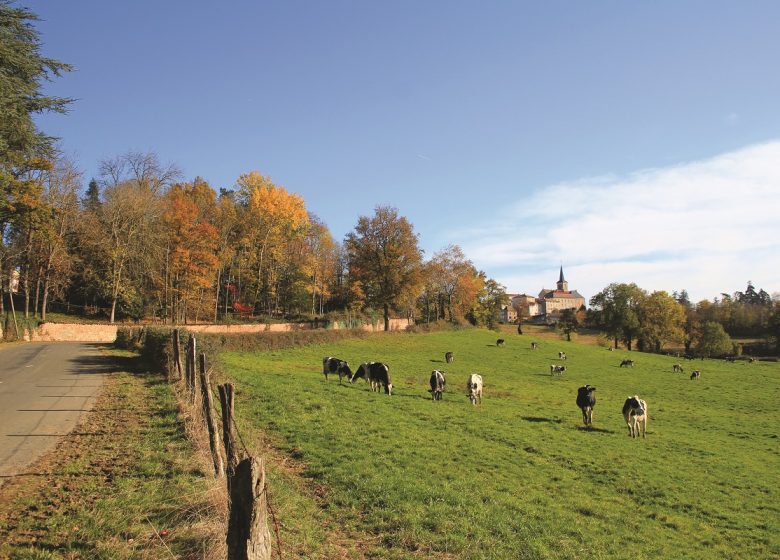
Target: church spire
[563, 285]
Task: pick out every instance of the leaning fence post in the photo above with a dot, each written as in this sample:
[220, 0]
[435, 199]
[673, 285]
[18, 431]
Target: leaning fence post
[248, 537]
[208, 415]
[228, 432]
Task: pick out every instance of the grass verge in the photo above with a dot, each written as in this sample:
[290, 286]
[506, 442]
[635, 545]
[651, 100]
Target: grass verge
[126, 484]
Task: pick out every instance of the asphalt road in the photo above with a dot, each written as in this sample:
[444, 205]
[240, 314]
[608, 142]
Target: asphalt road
[45, 387]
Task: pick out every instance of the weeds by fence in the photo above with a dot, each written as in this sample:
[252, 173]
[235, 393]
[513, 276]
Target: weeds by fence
[248, 534]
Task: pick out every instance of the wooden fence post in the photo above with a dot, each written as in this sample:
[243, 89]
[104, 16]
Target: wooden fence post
[228, 432]
[248, 537]
[187, 378]
[191, 358]
[208, 415]
[177, 353]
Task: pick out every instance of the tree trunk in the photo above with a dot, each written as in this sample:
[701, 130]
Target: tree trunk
[45, 301]
[387, 316]
[216, 294]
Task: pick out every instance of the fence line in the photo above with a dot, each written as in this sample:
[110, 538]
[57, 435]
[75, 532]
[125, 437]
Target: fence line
[248, 534]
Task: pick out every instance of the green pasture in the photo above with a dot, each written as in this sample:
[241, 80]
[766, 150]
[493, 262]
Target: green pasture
[518, 476]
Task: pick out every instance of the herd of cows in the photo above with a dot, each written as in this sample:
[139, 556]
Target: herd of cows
[377, 374]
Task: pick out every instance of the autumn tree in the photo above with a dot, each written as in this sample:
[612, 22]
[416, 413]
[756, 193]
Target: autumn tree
[323, 258]
[122, 241]
[491, 297]
[191, 247]
[144, 169]
[384, 258]
[272, 219]
[614, 310]
[662, 320]
[53, 261]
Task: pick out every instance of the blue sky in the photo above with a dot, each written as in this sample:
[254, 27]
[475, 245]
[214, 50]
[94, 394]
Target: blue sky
[602, 135]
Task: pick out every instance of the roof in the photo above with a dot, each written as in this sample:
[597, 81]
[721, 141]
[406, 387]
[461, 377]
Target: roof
[561, 294]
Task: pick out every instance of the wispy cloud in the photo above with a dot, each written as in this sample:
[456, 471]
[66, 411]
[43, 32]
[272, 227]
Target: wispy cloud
[707, 226]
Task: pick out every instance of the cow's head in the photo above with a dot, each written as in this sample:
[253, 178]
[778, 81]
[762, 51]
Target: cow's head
[362, 371]
[635, 404]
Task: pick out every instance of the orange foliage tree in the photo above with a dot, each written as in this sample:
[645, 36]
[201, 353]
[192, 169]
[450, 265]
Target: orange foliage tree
[192, 248]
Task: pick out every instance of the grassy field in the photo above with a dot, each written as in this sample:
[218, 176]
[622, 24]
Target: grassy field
[518, 476]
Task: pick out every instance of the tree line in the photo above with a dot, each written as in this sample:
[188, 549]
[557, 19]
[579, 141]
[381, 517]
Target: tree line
[140, 244]
[651, 321]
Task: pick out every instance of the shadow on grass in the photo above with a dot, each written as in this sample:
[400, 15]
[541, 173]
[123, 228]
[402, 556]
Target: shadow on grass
[592, 429]
[541, 419]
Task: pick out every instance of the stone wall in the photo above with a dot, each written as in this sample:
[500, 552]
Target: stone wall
[71, 332]
[66, 332]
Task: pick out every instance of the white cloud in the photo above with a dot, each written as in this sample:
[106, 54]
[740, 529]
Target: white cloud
[707, 226]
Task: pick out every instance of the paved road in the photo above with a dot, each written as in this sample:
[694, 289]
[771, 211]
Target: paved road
[44, 390]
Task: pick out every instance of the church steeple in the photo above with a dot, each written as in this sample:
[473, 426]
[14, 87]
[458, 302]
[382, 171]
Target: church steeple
[563, 285]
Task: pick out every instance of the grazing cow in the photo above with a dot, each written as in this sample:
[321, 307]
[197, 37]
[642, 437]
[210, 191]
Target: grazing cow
[695, 374]
[627, 363]
[611, 349]
[677, 368]
[377, 374]
[500, 342]
[534, 346]
[751, 360]
[437, 384]
[636, 414]
[731, 359]
[448, 357]
[557, 369]
[561, 355]
[474, 388]
[688, 356]
[586, 400]
[335, 365]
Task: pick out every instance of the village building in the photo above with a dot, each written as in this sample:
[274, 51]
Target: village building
[546, 307]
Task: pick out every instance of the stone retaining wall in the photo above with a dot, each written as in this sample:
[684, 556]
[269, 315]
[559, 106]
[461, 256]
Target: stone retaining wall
[71, 332]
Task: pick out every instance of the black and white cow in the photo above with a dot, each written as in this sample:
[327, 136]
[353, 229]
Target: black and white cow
[377, 374]
[335, 365]
[474, 388]
[500, 342]
[534, 346]
[677, 368]
[561, 355]
[555, 369]
[695, 374]
[448, 357]
[627, 363]
[635, 414]
[586, 400]
[437, 384]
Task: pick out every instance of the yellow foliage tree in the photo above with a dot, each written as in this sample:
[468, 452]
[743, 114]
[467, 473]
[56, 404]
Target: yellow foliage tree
[272, 219]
